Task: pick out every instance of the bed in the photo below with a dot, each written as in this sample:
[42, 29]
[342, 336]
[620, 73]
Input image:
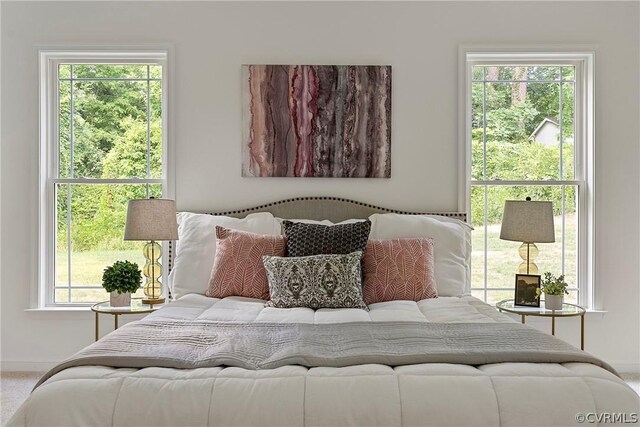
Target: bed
[451, 360]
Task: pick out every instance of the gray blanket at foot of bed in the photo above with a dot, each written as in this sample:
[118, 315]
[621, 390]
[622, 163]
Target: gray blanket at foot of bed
[176, 344]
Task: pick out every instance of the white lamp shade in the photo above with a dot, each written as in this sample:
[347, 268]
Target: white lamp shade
[151, 219]
[528, 221]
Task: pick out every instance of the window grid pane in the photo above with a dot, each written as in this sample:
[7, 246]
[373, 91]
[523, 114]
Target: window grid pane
[148, 124]
[94, 235]
[64, 129]
[101, 108]
[496, 261]
[113, 71]
[61, 263]
[155, 129]
[568, 130]
[71, 128]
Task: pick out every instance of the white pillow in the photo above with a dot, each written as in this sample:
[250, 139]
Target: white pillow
[196, 246]
[451, 244]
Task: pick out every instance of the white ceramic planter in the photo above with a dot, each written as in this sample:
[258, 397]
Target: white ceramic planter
[119, 300]
[553, 302]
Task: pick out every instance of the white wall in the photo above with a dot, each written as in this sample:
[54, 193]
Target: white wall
[420, 40]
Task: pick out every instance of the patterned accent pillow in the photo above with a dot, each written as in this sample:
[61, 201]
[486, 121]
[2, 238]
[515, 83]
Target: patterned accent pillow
[319, 281]
[237, 267]
[315, 239]
[399, 269]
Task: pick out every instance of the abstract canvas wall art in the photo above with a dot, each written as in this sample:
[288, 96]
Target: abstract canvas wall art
[317, 121]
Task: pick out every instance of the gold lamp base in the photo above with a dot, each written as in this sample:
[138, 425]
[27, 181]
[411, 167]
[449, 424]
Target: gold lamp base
[528, 252]
[152, 271]
[153, 301]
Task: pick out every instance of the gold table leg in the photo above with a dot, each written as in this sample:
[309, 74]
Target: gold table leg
[582, 332]
[553, 325]
[115, 321]
[97, 328]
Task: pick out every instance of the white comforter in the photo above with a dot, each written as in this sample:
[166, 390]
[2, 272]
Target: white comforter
[505, 394]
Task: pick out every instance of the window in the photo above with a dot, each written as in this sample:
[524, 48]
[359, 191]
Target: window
[528, 133]
[103, 142]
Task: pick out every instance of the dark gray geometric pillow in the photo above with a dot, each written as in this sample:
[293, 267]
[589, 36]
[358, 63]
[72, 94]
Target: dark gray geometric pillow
[318, 281]
[315, 239]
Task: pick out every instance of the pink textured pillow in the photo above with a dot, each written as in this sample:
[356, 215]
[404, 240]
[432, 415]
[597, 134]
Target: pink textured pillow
[399, 269]
[237, 267]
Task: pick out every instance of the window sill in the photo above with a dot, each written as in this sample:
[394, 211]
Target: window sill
[595, 314]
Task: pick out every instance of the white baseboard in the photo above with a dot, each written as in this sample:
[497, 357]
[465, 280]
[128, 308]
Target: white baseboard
[627, 368]
[14, 366]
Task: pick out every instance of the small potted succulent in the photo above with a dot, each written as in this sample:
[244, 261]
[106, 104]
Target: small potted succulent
[554, 289]
[121, 279]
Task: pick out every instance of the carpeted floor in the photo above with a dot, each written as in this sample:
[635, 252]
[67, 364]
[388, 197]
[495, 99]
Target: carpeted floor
[14, 389]
[16, 386]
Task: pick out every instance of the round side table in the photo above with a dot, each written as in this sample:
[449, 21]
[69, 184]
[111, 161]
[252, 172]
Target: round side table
[568, 310]
[136, 307]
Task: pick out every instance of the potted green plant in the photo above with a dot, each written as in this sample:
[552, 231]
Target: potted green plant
[554, 289]
[121, 279]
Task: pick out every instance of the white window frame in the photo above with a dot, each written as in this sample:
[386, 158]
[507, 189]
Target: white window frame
[42, 296]
[583, 59]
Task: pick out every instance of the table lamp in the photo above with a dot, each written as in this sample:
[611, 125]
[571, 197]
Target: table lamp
[151, 220]
[528, 222]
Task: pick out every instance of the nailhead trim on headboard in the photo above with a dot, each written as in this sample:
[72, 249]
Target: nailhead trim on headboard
[459, 215]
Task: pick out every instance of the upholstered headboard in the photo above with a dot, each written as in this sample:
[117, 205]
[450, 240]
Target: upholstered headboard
[334, 209]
